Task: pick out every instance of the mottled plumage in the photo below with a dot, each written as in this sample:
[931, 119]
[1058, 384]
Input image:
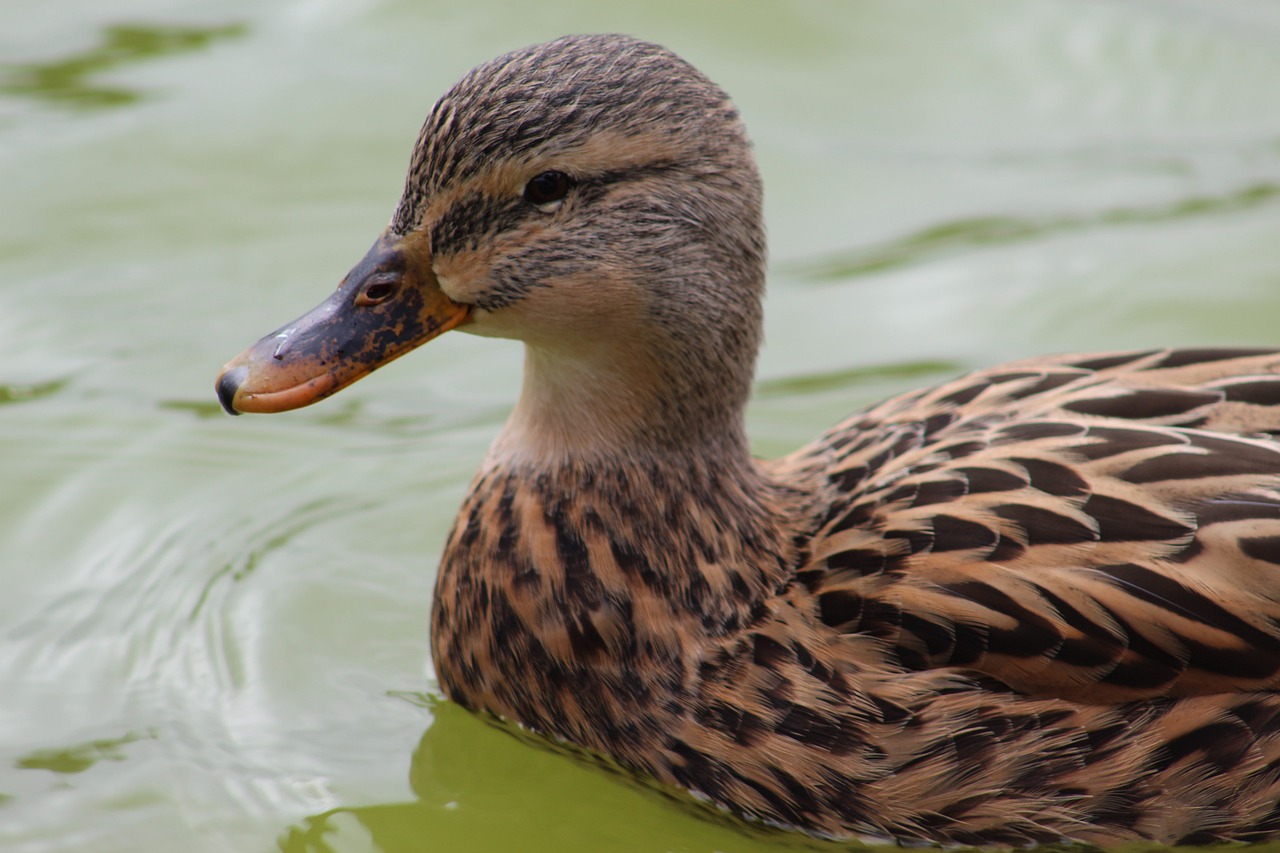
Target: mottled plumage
[1038, 602]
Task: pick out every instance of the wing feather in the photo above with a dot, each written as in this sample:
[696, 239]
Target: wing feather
[1103, 528]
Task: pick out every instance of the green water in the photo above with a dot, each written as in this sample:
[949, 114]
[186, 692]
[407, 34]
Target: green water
[213, 632]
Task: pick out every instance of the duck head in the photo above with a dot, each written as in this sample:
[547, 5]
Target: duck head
[594, 197]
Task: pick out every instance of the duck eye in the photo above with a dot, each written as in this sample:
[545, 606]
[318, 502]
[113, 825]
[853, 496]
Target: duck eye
[547, 187]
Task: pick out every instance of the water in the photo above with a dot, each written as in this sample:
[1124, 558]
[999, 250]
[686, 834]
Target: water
[213, 632]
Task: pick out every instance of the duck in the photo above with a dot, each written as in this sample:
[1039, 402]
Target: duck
[1033, 604]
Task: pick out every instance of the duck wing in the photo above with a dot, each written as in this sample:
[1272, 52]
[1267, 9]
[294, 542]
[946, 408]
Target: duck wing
[1103, 528]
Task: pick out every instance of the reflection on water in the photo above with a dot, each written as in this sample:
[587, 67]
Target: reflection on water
[478, 786]
[968, 234]
[854, 377]
[209, 626]
[14, 393]
[66, 81]
[78, 758]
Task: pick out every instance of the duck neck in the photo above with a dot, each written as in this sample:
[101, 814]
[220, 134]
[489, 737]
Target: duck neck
[599, 547]
[619, 400]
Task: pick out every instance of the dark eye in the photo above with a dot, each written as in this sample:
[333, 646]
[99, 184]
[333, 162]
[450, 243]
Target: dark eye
[547, 187]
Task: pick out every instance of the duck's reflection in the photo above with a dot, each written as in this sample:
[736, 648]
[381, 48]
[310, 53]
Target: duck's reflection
[478, 788]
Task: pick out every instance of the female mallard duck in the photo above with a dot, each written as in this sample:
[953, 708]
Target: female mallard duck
[1038, 602]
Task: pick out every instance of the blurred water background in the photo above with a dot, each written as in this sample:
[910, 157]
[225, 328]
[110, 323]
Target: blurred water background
[213, 632]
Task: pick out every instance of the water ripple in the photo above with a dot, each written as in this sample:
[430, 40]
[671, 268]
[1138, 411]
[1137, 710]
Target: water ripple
[984, 231]
[69, 82]
[16, 393]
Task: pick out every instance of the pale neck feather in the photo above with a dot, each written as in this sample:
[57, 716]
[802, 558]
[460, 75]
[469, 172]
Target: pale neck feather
[617, 400]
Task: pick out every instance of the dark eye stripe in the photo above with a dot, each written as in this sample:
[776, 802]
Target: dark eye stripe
[473, 218]
[634, 172]
[477, 217]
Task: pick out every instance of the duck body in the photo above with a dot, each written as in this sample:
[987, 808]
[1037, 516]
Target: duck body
[1039, 602]
[971, 614]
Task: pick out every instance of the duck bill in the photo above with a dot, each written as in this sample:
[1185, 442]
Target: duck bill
[387, 305]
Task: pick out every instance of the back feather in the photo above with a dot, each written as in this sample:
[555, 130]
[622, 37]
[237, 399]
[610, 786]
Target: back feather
[1100, 528]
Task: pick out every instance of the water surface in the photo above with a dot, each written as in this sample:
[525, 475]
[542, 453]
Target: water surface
[213, 632]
